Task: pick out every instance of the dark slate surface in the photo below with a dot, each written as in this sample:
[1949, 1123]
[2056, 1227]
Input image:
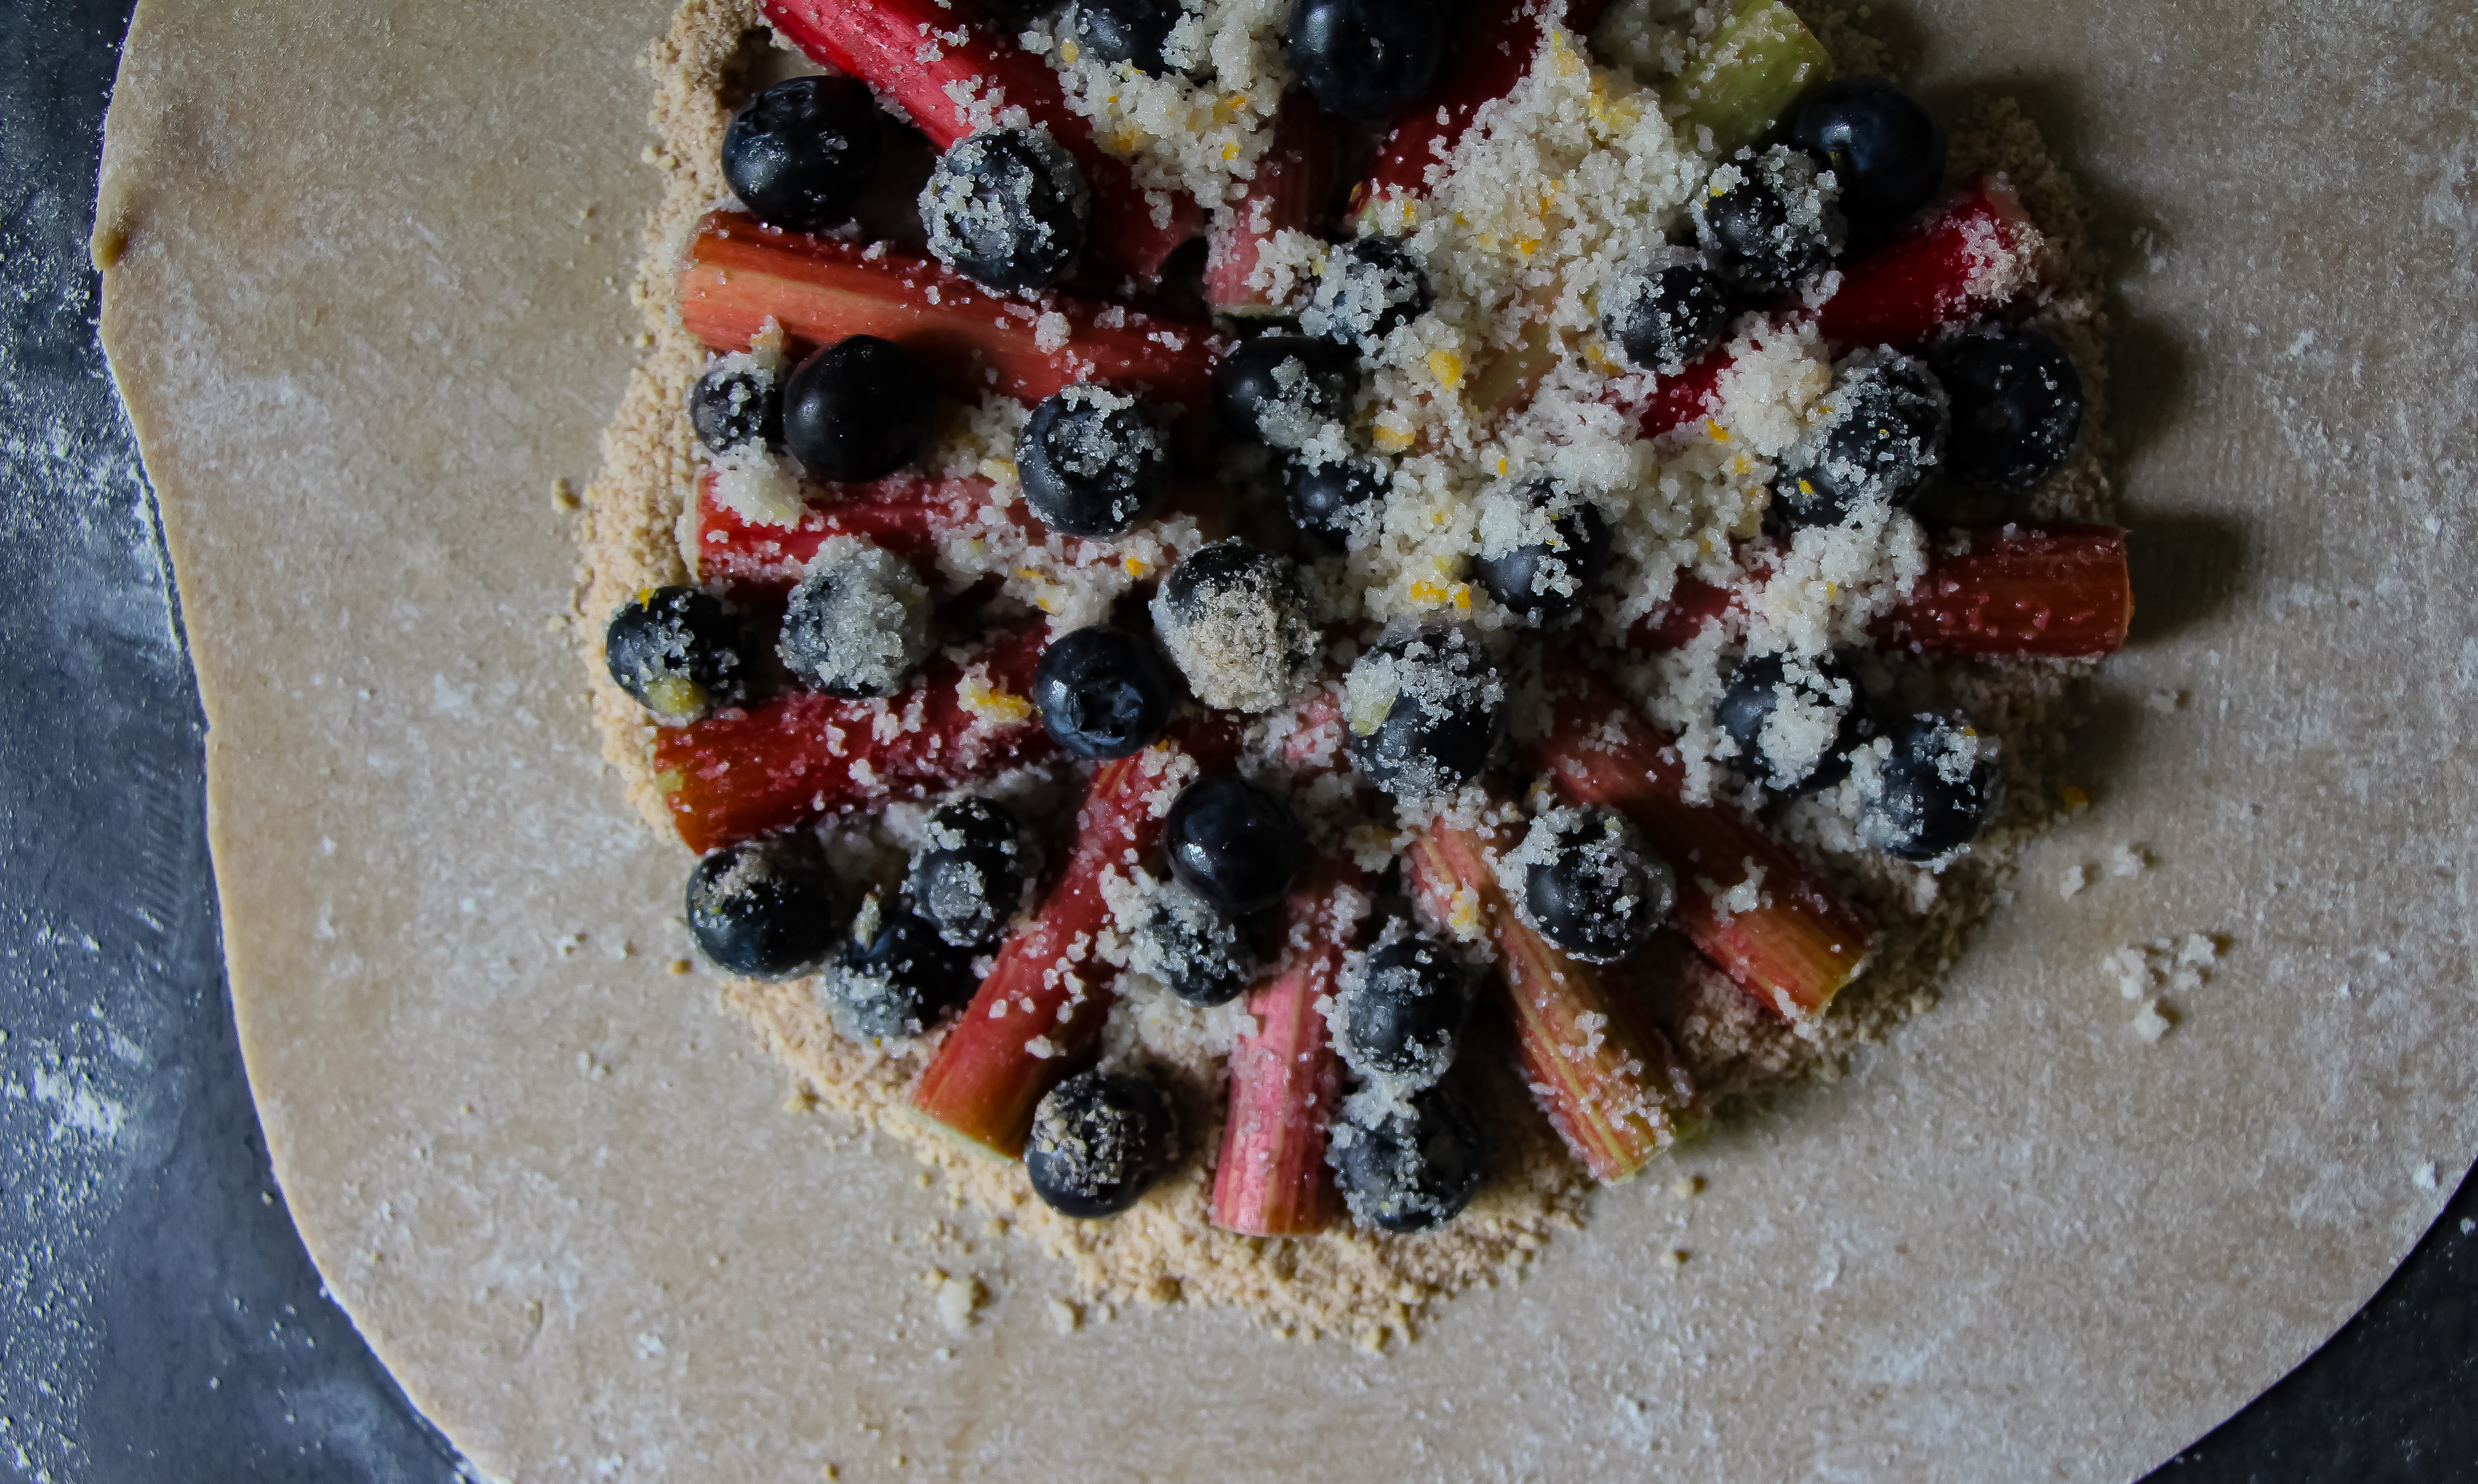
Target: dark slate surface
[159, 1319]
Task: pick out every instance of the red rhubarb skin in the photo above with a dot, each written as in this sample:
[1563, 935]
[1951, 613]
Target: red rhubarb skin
[1490, 54]
[884, 44]
[2061, 591]
[906, 515]
[1295, 180]
[1792, 952]
[1273, 1180]
[1947, 269]
[982, 1083]
[1608, 1080]
[738, 273]
[743, 772]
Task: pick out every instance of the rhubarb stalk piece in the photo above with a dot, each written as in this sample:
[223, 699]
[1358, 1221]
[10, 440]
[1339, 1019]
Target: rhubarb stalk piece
[1746, 75]
[1758, 912]
[1292, 186]
[1273, 1180]
[1607, 1076]
[739, 274]
[952, 73]
[2059, 592]
[2062, 591]
[1042, 1006]
[1491, 53]
[1975, 254]
[743, 772]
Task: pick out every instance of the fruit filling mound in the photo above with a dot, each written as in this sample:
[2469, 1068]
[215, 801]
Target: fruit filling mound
[1296, 634]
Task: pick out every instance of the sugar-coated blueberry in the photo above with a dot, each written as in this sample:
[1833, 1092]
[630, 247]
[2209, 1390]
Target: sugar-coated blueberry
[857, 623]
[1886, 152]
[857, 410]
[736, 405]
[1335, 503]
[1233, 843]
[967, 879]
[1191, 946]
[1282, 388]
[1371, 286]
[1100, 1141]
[1665, 315]
[2017, 405]
[799, 154]
[894, 977]
[1795, 720]
[1416, 1169]
[1006, 207]
[1129, 31]
[1590, 884]
[1542, 550]
[677, 652]
[1238, 624]
[1091, 461]
[764, 908]
[1102, 692]
[1366, 59]
[1425, 707]
[1400, 1019]
[1767, 220]
[1881, 432]
[1926, 788]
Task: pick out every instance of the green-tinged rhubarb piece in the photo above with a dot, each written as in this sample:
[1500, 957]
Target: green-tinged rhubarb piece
[1746, 76]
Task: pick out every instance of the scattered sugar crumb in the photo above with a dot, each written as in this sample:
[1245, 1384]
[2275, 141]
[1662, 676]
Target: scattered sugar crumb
[957, 1299]
[2152, 1021]
[1686, 1187]
[1063, 1316]
[563, 495]
[1675, 1257]
[2128, 861]
[681, 966]
[2070, 885]
[2165, 701]
[2424, 1176]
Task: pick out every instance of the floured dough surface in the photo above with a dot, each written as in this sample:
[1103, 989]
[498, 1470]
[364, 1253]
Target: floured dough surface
[1348, 1281]
[368, 308]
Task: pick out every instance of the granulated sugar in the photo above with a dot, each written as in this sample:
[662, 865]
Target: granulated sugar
[1570, 178]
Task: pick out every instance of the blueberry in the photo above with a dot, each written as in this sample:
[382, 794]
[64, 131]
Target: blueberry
[1398, 1021]
[1191, 946]
[858, 409]
[1884, 151]
[1766, 220]
[894, 977]
[1337, 503]
[1233, 843]
[1931, 788]
[2017, 405]
[857, 623]
[1091, 461]
[737, 404]
[1796, 720]
[1102, 693]
[1883, 429]
[1666, 315]
[1416, 1169]
[1238, 624]
[1542, 549]
[1366, 59]
[1371, 286]
[764, 908]
[1099, 1140]
[676, 651]
[969, 877]
[1006, 207]
[801, 152]
[1129, 31]
[1425, 709]
[1590, 884]
[1282, 388]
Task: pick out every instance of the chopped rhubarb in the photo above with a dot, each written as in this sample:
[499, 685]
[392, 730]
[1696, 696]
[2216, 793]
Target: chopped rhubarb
[2062, 591]
[1044, 1003]
[1607, 1076]
[1492, 53]
[743, 772]
[2057, 591]
[1974, 255]
[907, 515]
[739, 274]
[1273, 1180]
[1761, 914]
[1292, 186]
[1743, 77]
[952, 71]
